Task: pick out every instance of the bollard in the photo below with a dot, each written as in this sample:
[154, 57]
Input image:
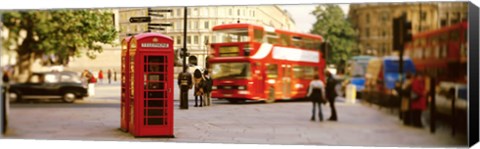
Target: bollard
[351, 93]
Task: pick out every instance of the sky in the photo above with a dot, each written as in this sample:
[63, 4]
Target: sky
[302, 17]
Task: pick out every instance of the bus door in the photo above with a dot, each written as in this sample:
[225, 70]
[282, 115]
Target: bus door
[258, 79]
[286, 81]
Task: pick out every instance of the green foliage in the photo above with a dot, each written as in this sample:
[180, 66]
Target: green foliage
[59, 33]
[336, 29]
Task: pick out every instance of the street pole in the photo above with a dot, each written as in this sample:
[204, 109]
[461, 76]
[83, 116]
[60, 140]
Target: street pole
[184, 49]
[184, 78]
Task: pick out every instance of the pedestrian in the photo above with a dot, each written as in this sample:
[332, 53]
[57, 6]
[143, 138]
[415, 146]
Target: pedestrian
[316, 94]
[109, 76]
[90, 79]
[419, 99]
[406, 92]
[198, 82]
[100, 76]
[207, 89]
[331, 95]
[114, 75]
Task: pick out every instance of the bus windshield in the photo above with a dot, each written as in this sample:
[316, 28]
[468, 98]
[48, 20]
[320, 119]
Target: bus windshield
[230, 70]
[232, 35]
[359, 68]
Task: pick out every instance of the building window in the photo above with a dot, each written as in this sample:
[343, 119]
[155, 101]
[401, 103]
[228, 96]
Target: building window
[367, 32]
[179, 12]
[230, 12]
[179, 39]
[189, 12]
[206, 25]
[189, 40]
[195, 11]
[195, 39]
[190, 25]
[253, 13]
[368, 18]
[196, 25]
[238, 12]
[214, 39]
[205, 40]
[384, 34]
[423, 16]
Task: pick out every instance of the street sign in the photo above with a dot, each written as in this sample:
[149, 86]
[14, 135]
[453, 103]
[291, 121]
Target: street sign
[159, 24]
[140, 19]
[160, 10]
[156, 28]
[155, 15]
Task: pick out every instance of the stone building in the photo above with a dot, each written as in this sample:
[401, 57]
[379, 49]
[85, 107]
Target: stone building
[200, 22]
[373, 21]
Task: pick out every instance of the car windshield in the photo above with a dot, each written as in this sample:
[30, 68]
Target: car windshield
[230, 70]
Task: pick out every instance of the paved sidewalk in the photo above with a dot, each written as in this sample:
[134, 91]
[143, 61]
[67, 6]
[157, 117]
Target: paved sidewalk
[251, 123]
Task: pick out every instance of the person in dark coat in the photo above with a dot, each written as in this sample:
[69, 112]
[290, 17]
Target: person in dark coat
[316, 94]
[207, 89]
[331, 95]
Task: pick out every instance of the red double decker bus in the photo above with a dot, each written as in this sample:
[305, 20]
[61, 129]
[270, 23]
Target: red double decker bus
[262, 63]
[442, 53]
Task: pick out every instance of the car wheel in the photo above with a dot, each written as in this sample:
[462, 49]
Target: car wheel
[14, 97]
[69, 97]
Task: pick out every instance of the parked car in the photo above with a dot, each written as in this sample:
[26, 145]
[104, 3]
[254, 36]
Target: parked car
[63, 85]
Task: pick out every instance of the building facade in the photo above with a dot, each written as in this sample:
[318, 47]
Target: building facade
[374, 21]
[200, 22]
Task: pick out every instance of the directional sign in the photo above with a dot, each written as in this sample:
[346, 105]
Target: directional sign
[160, 10]
[155, 15]
[155, 28]
[140, 19]
[159, 24]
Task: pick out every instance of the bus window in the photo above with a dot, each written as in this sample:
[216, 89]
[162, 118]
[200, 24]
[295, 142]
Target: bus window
[454, 35]
[233, 35]
[272, 38]
[284, 40]
[272, 71]
[297, 72]
[257, 35]
[297, 41]
[230, 70]
[310, 72]
[316, 45]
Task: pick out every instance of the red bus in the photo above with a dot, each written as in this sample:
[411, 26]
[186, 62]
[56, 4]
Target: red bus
[254, 62]
[442, 53]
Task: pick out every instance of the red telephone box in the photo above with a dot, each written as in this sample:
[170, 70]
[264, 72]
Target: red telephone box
[125, 100]
[151, 85]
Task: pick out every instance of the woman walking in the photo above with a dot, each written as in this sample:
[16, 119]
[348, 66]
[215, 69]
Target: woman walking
[316, 94]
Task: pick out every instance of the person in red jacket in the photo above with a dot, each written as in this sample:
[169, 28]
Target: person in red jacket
[420, 102]
[100, 76]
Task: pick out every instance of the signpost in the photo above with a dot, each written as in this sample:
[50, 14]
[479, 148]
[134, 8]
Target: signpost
[140, 19]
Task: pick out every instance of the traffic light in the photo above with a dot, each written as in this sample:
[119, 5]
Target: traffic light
[407, 31]
[402, 32]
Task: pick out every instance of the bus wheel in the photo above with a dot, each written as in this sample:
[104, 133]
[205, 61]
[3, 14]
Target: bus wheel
[270, 100]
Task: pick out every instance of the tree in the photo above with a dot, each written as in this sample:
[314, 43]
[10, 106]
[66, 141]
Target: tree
[56, 35]
[334, 27]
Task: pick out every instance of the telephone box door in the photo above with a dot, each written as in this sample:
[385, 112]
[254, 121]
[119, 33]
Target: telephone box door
[157, 103]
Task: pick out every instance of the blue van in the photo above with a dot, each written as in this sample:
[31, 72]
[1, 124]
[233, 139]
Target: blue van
[381, 76]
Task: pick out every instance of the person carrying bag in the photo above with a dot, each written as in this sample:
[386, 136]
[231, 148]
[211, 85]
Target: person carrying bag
[316, 94]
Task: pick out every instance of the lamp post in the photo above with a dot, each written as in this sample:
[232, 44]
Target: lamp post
[184, 78]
